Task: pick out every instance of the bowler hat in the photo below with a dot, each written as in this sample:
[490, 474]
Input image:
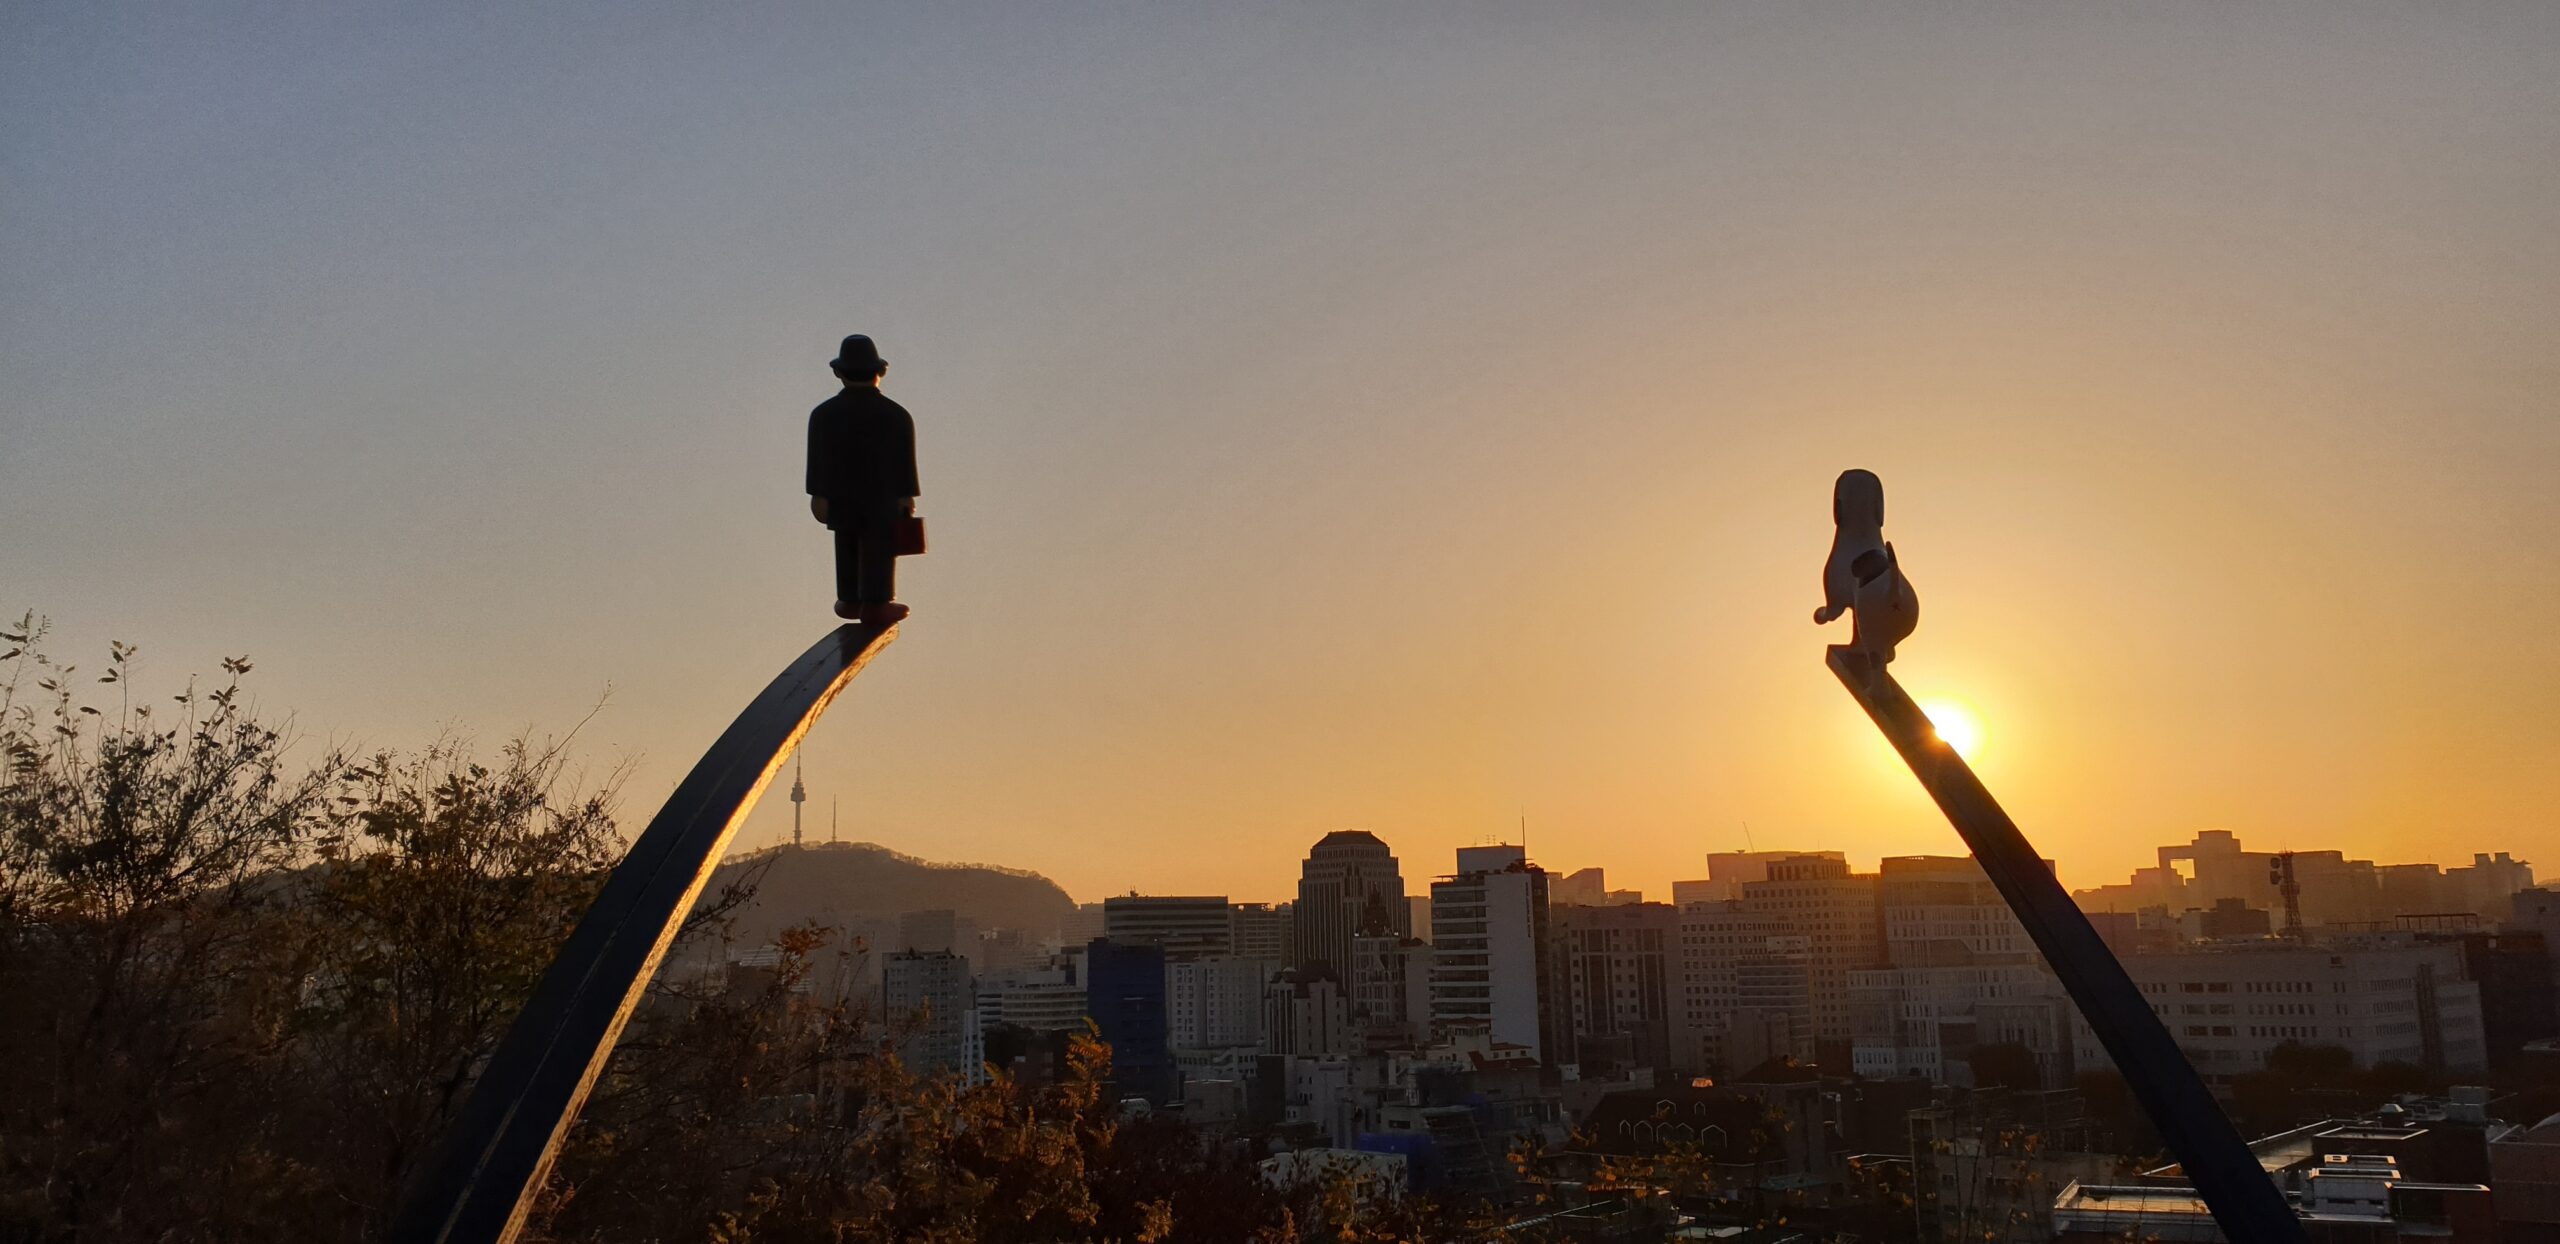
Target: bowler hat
[857, 355]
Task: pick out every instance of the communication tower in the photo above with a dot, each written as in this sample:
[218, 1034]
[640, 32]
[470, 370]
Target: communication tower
[799, 795]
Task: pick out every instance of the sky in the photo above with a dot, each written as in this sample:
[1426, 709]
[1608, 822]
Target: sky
[1418, 418]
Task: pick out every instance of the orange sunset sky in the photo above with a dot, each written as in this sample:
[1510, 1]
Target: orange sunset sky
[1410, 418]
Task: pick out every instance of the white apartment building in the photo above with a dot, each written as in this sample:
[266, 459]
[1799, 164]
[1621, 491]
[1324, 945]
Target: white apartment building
[1187, 926]
[1836, 911]
[2382, 998]
[1047, 998]
[928, 996]
[1215, 1002]
[1489, 941]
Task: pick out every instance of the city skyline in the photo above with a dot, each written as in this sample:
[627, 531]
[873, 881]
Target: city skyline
[1412, 420]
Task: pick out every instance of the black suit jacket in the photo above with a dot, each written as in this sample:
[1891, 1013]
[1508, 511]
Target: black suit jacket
[862, 449]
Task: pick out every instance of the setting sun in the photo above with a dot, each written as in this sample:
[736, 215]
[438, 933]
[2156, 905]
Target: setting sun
[1956, 724]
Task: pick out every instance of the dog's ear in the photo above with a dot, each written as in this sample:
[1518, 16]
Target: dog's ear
[1868, 565]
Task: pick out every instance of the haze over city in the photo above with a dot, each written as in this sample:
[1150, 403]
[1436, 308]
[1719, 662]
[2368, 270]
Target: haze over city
[1384, 421]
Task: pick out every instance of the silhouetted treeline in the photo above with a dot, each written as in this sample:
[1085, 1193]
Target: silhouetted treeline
[246, 984]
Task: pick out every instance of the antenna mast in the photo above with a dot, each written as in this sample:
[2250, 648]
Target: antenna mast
[2289, 887]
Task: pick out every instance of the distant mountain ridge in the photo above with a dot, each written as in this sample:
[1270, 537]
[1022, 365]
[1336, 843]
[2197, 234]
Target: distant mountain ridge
[860, 886]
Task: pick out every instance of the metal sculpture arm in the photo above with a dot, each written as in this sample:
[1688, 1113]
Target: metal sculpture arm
[2217, 1161]
[480, 1181]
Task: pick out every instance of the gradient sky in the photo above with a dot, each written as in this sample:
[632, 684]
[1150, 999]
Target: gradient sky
[1408, 417]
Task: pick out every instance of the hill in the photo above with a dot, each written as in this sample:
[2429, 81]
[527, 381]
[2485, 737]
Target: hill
[856, 884]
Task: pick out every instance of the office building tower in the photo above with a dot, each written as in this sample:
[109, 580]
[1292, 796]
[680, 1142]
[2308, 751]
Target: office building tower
[1688, 893]
[938, 929]
[1773, 1005]
[1261, 930]
[1583, 887]
[1187, 927]
[1619, 966]
[1491, 952]
[1349, 885]
[1048, 997]
[1744, 990]
[1729, 871]
[1953, 947]
[1817, 898]
[1306, 1012]
[1391, 990]
[927, 996]
[1080, 926]
[1125, 995]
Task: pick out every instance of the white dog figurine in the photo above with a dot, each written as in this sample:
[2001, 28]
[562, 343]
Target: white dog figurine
[1863, 574]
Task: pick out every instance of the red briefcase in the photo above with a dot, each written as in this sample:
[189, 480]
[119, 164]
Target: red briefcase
[910, 536]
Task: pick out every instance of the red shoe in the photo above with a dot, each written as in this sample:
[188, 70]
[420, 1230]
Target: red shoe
[848, 611]
[884, 613]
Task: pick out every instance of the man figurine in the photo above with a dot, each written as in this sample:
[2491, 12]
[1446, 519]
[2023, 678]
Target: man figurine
[862, 481]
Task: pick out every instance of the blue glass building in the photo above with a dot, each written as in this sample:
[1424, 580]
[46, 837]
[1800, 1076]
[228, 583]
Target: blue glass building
[1125, 995]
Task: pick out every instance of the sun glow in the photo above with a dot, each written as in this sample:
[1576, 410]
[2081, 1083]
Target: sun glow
[1956, 724]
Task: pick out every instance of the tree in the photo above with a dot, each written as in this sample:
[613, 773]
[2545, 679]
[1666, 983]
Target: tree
[247, 994]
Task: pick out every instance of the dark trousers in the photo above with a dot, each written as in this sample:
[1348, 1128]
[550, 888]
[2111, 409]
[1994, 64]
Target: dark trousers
[867, 551]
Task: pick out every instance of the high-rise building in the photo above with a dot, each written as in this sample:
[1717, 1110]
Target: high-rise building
[1491, 952]
[1773, 1005]
[1817, 898]
[1744, 990]
[1583, 887]
[1418, 914]
[938, 929]
[929, 997]
[1261, 930]
[2488, 885]
[1306, 1012]
[2520, 1005]
[1080, 926]
[1684, 893]
[1125, 995]
[1215, 1001]
[1729, 871]
[1349, 885]
[1186, 926]
[1619, 966]
[1952, 946]
[1047, 997]
[1391, 990]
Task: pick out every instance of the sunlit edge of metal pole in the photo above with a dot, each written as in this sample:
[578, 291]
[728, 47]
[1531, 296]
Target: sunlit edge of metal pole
[2226, 1174]
[479, 1184]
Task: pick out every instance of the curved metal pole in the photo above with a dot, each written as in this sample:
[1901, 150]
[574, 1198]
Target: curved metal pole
[2245, 1202]
[481, 1179]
